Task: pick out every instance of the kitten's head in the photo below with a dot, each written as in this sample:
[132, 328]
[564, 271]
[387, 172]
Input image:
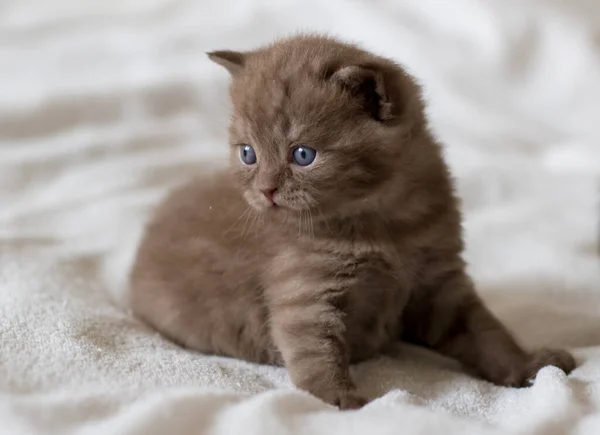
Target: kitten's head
[317, 124]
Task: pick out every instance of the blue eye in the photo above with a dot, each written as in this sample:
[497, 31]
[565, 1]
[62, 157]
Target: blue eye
[247, 155]
[304, 156]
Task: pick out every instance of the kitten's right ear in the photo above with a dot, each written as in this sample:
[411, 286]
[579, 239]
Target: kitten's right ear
[232, 61]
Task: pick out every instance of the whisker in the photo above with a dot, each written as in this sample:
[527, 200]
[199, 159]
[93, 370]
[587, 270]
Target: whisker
[257, 215]
[246, 223]
[260, 225]
[248, 209]
[312, 226]
[325, 220]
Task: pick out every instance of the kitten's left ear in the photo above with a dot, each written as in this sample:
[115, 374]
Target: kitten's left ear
[368, 85]
[233, 61]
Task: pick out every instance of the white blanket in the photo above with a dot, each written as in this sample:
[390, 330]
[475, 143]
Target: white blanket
[104, 105]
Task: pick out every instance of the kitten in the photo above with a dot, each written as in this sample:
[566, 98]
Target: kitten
[334, 232]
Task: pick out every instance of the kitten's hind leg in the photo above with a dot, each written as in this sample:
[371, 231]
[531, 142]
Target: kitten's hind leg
[450, 318]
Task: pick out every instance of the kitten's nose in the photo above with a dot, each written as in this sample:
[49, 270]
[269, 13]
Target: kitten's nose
[269, 194]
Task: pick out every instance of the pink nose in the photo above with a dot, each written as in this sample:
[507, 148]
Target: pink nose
[269, 194]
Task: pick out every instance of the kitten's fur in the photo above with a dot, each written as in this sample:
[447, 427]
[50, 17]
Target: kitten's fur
[364, 247]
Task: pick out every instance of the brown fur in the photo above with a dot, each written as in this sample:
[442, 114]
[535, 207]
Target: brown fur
[363, 248]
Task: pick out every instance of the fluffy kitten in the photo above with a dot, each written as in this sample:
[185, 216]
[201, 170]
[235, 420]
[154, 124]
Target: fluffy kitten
[334, 232]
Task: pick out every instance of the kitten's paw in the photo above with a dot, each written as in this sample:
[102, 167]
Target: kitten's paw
[344, 399]
[524, 376]
[549, 357]
[351, 401]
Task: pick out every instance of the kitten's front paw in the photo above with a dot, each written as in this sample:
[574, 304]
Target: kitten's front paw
[524, 376]
[344, 399]
[549, 357]
[350, 400]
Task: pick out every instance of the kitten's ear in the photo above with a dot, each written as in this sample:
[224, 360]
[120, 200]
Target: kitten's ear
[367, 84]
[233, 61]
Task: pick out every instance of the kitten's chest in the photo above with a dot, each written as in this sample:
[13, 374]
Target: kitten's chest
[375, 306]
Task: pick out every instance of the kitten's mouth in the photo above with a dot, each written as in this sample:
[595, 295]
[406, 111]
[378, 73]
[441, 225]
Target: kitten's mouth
[275, 206]
[269, 206]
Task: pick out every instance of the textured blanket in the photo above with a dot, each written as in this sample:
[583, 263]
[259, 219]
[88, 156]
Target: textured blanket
[105, 105]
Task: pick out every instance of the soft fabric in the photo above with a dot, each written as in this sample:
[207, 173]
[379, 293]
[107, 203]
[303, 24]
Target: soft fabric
[105, 105]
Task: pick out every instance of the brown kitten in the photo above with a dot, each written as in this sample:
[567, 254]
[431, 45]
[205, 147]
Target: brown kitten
[334, 232]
